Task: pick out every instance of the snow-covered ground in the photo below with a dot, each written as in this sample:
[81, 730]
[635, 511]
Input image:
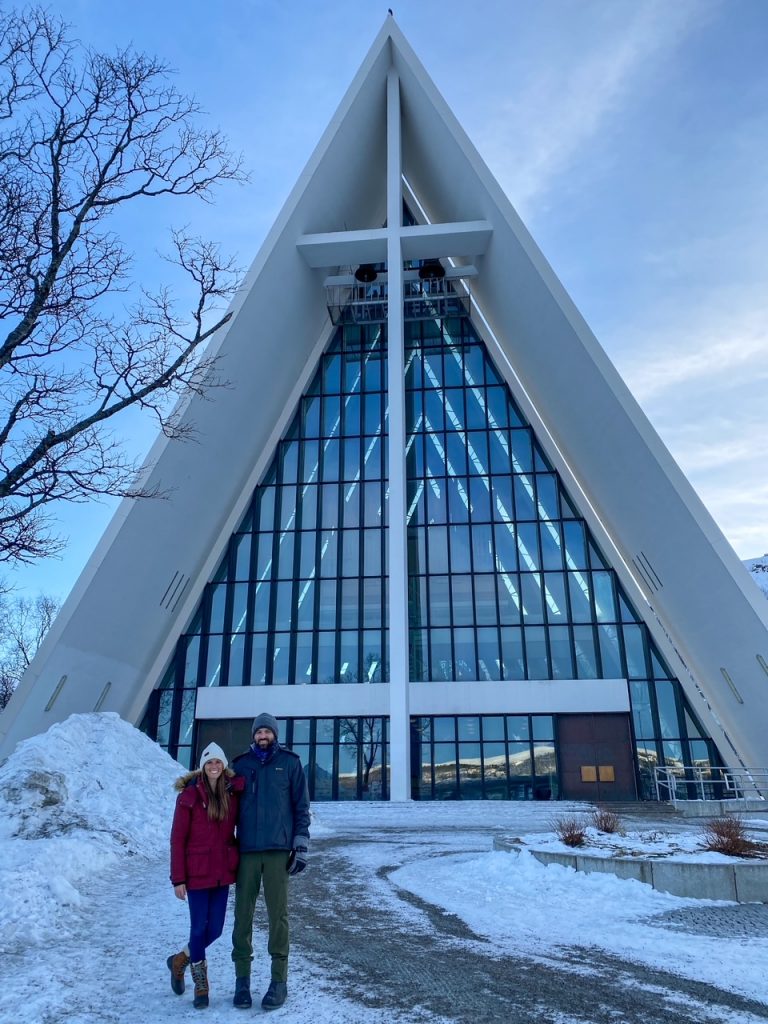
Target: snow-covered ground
[87, 914]
[758, 567]
[653, 843]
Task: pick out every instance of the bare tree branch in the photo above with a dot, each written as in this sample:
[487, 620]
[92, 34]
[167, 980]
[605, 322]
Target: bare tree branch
[23, 624]
[82, 134]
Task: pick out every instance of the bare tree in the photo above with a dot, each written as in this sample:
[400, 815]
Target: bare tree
[23, 624]
[83, 134]
[364, 734]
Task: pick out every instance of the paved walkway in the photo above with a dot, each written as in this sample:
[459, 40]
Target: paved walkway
[404, 955]
[363, 950]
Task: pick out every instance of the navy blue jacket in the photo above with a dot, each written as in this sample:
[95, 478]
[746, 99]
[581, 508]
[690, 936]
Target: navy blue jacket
[274, 806]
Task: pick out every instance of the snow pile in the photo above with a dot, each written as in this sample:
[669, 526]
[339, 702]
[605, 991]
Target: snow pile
[73, 802]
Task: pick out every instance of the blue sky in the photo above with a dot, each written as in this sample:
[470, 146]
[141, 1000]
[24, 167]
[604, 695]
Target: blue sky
[631, 136]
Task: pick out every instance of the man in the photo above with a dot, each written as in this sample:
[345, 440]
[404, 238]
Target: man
[273, 835]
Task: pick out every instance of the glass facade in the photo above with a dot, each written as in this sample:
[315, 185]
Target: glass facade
[344, 758]
[506, 582]
[488, 757]
[300, 596]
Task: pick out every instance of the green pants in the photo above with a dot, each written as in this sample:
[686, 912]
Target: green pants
[269, 865]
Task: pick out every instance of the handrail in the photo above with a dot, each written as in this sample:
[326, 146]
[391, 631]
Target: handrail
[694, 782]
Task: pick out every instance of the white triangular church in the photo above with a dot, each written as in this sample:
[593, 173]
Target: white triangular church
[427, 527]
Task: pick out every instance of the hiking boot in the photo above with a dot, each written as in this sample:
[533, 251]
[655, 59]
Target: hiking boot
[275, 995]
[242, 996]
[177, 964]
[200, 978]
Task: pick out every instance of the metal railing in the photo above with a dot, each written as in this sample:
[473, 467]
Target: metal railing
[696, 782]
[749, 783]
[361, 303]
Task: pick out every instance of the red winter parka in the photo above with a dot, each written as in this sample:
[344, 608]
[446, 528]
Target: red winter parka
[204, 853]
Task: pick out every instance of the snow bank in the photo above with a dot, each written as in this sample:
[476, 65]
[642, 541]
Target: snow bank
[74, 801]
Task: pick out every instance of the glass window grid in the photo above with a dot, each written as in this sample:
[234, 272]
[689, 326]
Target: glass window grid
[344, 373]
[487, 743]
[288, 564]
[454, 367]
[328, 740]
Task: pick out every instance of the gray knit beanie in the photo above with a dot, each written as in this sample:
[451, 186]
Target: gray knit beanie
[264, 722]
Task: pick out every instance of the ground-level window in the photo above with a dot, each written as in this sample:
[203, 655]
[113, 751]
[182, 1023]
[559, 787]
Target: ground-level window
[483, 757]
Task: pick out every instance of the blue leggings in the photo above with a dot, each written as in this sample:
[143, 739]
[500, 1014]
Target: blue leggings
[207, 910]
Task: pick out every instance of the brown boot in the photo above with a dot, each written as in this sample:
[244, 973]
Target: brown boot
[177, 964]
[200, 978]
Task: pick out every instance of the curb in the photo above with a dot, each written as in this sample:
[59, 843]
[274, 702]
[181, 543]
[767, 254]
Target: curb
[737, 883]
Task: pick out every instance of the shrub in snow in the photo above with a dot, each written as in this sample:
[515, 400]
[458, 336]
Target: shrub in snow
[727, 835]
[607, 821]
[570, 830]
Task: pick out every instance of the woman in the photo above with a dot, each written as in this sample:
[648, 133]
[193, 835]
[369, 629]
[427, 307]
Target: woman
[204, 860]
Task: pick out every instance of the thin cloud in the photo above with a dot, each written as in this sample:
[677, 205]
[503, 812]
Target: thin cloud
[539, 132]
[727, 355]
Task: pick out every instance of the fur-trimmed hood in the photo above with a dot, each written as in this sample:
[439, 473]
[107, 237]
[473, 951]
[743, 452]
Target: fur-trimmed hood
[193, 776]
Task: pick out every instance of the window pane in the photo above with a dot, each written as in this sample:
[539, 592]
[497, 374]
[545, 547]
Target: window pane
[510, 603]
[554, 597]
[605, 604]
[460, 548]
[635, 650]
[464, 644]
[243, 557]
[485, 600]
[513, 665]
[518, 727]
[493, 728]
[551, 546]
[285, 556]
[280, 659]
[259, 659]
[303, 658]
[586, 657]
[350, 504]
[609, 652]
[441, 659]
[482, 548]
[578, 587]
[261, 606]
[665, 698]
[236, 656]
[488, 656]
[533, 604]
[560, 648]
[536, 653]
[438, 549]
[641, 709]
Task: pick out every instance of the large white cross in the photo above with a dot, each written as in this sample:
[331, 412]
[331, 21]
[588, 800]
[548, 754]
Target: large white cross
[392, 245]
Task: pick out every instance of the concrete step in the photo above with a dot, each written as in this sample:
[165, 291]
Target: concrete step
[641, 808]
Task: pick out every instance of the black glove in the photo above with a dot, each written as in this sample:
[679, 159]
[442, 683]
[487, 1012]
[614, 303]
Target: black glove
[297, 860]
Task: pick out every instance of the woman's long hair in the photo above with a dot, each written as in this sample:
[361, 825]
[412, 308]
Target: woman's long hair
[218, 797]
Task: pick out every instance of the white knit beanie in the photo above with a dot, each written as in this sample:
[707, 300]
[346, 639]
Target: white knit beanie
[212, 751]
